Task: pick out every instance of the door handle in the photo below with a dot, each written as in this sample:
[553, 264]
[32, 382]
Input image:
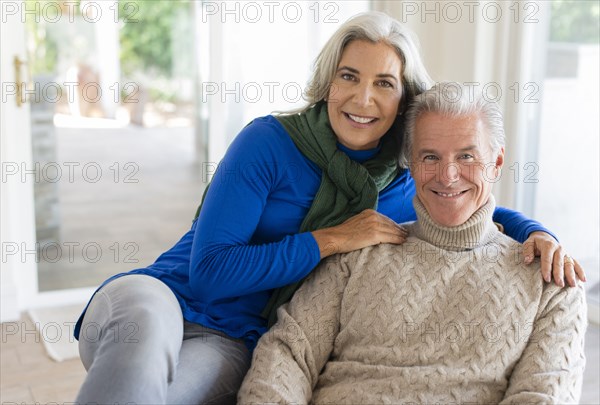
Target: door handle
[20, 84]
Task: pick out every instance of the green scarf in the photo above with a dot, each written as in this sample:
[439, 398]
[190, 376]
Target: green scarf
[347, 187]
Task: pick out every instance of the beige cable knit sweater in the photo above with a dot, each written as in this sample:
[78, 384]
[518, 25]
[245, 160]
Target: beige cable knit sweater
[452, 316]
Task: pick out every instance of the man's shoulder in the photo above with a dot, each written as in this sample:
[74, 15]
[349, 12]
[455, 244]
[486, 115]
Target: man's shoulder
[510, 252]
[367, 254]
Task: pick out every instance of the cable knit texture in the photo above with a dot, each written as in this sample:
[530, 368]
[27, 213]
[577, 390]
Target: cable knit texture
[452, 316]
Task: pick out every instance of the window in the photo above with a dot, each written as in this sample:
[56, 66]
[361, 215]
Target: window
[566, 195]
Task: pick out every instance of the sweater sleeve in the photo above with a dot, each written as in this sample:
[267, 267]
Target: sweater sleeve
[224, 261]
[289, 358]
[550, 370]
[516, 225]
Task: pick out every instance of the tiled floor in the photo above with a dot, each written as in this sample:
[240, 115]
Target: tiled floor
[28, 376]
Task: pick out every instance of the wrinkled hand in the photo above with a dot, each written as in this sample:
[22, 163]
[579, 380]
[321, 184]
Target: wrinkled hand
[555, 261]
[365, 229]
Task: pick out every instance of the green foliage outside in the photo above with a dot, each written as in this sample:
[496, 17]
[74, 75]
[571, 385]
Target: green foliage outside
[44, 52]
[146, 34]
[42, 48]
[575, 21]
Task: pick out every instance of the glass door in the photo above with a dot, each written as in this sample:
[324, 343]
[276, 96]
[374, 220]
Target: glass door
[115, 163]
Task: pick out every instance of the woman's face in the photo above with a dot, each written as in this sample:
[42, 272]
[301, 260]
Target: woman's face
[365, 94]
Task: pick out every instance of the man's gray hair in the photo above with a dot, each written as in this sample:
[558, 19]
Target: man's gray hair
[452, 99]
[372, 26]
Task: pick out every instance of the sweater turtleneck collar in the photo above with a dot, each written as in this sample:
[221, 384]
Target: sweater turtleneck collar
[476, 231]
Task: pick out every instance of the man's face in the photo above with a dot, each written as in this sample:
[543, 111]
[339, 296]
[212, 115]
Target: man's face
[453, 166]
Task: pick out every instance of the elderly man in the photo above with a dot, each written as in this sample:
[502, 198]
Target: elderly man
[450, 316]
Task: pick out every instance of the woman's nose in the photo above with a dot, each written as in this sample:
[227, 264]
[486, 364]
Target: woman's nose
[363, 94]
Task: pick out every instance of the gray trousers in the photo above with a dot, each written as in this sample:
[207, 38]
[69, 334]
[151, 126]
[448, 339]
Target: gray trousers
[138, 349]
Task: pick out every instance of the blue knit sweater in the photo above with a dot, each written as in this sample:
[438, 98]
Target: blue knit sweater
[246, 242]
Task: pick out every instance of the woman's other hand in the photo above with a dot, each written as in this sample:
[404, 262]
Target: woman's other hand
[555, 261]
[365, 229]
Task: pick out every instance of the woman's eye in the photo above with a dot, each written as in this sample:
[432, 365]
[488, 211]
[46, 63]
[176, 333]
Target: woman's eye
[385, 83]
[347, 76]
[467, 156]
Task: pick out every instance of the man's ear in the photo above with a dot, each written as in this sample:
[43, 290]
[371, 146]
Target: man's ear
[500, 159]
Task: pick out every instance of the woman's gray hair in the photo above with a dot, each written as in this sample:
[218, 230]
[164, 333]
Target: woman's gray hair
[375, 27]
[453, 100]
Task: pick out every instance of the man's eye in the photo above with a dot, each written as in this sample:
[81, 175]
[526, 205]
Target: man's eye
[430, 158]
[467, 156]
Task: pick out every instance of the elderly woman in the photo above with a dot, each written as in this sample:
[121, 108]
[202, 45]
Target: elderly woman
[450, 316]
[290, 191]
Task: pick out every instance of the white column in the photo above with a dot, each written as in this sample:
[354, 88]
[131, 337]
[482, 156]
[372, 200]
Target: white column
[108, 62]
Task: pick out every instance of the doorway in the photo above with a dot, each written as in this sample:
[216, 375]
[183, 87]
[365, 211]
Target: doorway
[115, 163]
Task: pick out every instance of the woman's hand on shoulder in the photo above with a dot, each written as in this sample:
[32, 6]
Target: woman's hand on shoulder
[555, 261]
[365, 229]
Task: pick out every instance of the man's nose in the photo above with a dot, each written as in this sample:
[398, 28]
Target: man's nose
[449, 173]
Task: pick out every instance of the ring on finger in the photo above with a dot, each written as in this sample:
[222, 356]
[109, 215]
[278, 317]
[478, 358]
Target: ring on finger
[568, 259]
